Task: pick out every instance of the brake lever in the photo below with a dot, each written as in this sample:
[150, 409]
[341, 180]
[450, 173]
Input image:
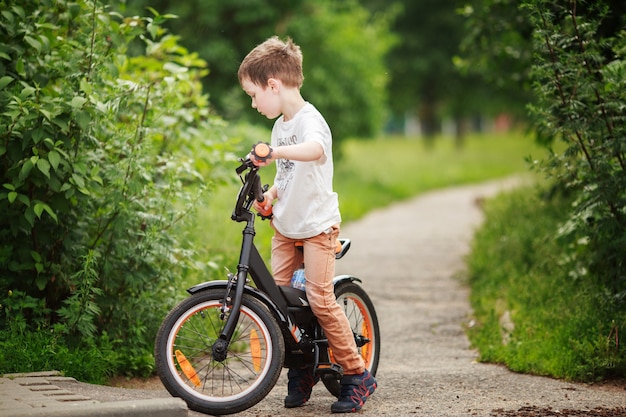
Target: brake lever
[245, 164]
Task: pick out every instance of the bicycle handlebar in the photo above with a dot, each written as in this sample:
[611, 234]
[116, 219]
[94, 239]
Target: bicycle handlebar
[250, 190]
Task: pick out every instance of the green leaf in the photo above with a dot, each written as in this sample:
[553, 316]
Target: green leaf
[82, 118]
[40, 207]
[24, 199]
[4, 81]
[49, 143]
[19, 67]
[78, 180]
[12, 196]
[41, 281]
[44, 166]
[27, 92]
[46, 113]
[85, 86]
[50, 212]
[35, 255]
[54, 158]
[19, 11]
[33, 42]
[78, 102]
[8, 16]
[174, 68]
[37, 134]
[29, 215]
[25, 171]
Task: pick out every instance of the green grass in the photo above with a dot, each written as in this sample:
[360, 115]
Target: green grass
[371, 173]
[379, 172]
[564, 326]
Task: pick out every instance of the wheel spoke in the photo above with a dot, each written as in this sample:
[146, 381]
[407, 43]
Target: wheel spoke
[253, 362]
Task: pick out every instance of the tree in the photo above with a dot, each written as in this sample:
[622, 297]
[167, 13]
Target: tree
[572, 55]
[425, 78]
[343, 44]
[497, 48]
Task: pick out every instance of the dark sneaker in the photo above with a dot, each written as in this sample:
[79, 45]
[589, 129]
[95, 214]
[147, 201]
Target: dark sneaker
[300, 385]
[354, 391]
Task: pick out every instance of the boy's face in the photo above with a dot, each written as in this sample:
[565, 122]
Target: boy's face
[265, 99]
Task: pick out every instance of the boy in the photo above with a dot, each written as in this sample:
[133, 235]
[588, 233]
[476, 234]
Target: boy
[305, 208]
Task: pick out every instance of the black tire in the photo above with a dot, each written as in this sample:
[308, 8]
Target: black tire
[185, 364]
[362, 317]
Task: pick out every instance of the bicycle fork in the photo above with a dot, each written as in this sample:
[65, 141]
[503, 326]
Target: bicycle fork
[251, 264]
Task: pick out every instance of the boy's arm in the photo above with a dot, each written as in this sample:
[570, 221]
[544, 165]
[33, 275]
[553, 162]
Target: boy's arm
[305, 152]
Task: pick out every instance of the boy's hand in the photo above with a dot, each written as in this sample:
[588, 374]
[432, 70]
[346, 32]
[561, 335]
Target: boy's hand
[261, 154]
[264, 207]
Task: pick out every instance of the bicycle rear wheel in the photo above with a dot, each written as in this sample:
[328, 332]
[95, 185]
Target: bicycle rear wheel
[185, 362]
[361, 314]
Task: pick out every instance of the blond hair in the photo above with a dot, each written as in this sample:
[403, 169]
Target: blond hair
[273, 59]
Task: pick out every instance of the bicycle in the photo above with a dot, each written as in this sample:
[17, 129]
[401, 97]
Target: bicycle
[222, 349]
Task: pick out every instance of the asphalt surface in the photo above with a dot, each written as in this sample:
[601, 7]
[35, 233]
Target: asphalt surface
[410, 257]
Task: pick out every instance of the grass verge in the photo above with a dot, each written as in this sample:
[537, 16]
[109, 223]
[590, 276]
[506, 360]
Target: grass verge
[371, 173]
[531, 314]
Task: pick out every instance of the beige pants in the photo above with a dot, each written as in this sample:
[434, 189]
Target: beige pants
[319, 260]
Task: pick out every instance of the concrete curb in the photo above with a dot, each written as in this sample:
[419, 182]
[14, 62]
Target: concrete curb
[35, 395]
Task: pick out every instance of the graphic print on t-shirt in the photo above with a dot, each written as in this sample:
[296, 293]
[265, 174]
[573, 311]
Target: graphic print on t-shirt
[285, 167]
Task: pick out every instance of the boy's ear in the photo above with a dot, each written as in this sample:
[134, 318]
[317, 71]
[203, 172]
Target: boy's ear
[273, 84]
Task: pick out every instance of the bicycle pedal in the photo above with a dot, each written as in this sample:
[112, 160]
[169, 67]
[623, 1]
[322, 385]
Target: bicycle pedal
[331, 369]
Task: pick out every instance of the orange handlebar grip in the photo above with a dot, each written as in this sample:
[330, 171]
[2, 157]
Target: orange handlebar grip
[262, 151]
[262, 211]
[265, 213]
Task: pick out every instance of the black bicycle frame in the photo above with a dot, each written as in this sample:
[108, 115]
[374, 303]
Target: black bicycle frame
[250, 262]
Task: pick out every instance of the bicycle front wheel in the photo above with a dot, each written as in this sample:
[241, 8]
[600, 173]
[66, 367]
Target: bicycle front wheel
[185, 362]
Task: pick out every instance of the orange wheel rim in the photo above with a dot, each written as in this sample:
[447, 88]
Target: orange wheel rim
[255, 350]
[365, 348]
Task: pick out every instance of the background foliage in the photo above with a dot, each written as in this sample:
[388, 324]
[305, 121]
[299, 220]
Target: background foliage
[98, 158]
[577, 77]
[344, 47]
[107, 143]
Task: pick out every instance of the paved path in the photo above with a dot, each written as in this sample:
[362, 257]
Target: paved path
[48, 394]
[410, 257]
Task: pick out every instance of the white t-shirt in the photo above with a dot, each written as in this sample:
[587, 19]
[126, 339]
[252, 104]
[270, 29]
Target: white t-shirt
[306, 204]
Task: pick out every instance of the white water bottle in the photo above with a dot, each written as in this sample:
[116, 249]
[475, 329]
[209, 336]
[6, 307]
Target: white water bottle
[298, 280]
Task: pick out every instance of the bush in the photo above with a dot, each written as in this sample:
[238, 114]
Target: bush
[579, 76]
[102, 156]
